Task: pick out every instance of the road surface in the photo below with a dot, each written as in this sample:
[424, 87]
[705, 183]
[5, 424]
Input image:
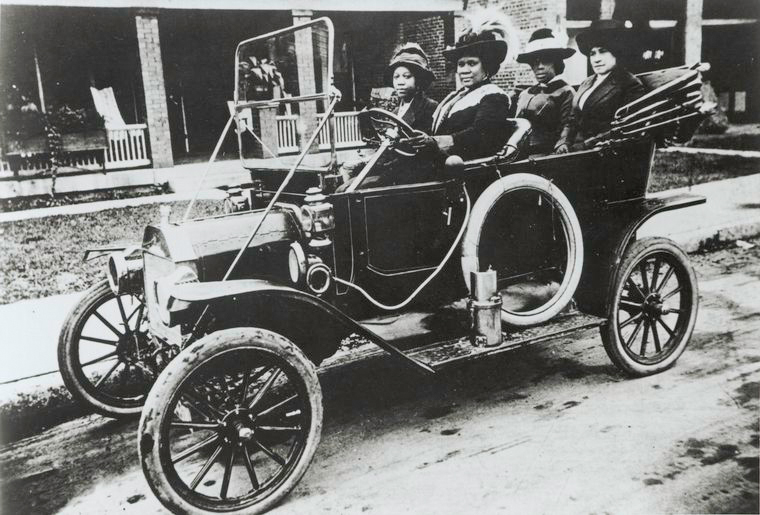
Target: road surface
[548, 429]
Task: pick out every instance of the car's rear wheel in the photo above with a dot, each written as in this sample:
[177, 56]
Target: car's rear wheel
[103, 350]
[525, 228]
[231, 424]
[653, 307]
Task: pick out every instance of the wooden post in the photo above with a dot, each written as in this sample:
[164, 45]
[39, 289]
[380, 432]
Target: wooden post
[692, 39]
[40, 90]
[606, 9]
[308, 121]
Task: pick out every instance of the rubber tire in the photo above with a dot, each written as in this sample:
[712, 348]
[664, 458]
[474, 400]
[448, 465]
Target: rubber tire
[75, 321]
[637, 251]
[189, 360]
[471, 242]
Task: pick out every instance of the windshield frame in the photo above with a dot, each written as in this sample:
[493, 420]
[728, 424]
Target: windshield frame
[325, 96]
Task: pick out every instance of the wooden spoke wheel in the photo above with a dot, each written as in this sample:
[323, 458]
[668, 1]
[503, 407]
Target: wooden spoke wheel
[103, 351]
[232, 423]
[653, 308]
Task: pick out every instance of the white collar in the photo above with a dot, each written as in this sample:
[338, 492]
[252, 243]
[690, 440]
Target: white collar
[601, 76]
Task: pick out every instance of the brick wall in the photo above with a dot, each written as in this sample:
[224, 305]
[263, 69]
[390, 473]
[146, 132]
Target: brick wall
[374, 49]
[433, 34]
[371, 51]
[527, 16]
[149, 45]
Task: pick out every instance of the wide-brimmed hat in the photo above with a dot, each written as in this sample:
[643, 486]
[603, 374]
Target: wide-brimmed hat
[610, 34]
[543, 42]
[414, 57]
[487, 40]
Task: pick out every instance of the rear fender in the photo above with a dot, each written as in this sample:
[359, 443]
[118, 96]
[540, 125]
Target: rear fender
[607, 241]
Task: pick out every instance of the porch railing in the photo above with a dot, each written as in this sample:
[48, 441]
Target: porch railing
[126, 147]
[287, 133]
[347, 132]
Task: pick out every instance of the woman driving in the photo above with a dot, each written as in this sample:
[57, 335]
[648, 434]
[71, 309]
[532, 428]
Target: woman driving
[410, 75]
[548, 105]
[472, 121]
[609, 88]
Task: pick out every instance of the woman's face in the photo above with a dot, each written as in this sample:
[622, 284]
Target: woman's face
[602, 60]
[543, 69]
[404, 82]
[470, 70]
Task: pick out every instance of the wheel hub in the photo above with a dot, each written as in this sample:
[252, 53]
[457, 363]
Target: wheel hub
[237, 426]
[653, 306]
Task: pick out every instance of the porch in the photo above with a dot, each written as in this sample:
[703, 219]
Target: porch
[122, 148]
[126, 148]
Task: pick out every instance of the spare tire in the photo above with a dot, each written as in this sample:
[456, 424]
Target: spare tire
[525, 228]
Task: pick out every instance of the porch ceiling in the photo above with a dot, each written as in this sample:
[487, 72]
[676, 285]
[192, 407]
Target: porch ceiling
[255, 5]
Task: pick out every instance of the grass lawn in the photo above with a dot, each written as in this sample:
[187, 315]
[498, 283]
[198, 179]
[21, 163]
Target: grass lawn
[675, 170]
[43, 257]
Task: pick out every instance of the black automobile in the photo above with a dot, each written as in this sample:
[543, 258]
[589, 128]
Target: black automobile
[215, 326]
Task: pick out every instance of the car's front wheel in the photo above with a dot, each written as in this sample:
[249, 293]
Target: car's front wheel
[104, 350]
[231, 424]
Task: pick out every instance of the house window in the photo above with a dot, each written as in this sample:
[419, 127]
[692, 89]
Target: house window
[740, 102]
[724, 100]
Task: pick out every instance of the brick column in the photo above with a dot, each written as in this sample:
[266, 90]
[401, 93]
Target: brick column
[304, 54]
[693, 32]
[146, 23]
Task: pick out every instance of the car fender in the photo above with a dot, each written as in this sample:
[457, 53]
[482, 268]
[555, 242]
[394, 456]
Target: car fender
[313, 324]
[604, 255]
[104, 250]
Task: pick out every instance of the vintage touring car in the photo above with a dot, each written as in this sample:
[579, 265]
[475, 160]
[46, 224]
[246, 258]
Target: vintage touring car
[217, 324]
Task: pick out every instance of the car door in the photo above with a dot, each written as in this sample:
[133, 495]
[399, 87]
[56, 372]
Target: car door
[400, 234]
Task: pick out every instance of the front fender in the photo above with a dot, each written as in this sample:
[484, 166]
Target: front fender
[105, 250]
[314, 325]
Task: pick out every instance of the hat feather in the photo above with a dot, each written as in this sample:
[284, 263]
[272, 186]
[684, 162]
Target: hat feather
[498, 24]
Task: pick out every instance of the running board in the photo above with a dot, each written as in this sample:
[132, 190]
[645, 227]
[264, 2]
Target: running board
[455, 352]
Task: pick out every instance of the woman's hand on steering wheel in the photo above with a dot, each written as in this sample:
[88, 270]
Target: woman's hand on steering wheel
[422, 141]
[388, 126]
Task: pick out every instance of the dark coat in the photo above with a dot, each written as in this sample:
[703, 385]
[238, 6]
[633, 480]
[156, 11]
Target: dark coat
[618, 89]
[420, 114]
[549, 109]
[476, 118]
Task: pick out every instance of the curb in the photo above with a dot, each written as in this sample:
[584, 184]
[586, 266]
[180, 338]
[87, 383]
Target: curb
[35, 404]
[706, 239]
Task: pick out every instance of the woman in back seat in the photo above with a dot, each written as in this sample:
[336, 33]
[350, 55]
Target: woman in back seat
[609, 88]
[548, 104]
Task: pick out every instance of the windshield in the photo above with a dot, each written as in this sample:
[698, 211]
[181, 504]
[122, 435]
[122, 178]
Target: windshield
[283, 82]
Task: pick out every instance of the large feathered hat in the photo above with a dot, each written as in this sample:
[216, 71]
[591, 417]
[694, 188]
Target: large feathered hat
[543, 42]
[490, 37]
[412, 56]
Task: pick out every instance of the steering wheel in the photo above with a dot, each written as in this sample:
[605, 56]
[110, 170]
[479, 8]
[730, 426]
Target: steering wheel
[386, 126]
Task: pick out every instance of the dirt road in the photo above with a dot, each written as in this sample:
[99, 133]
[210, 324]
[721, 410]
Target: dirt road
[548, 429]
